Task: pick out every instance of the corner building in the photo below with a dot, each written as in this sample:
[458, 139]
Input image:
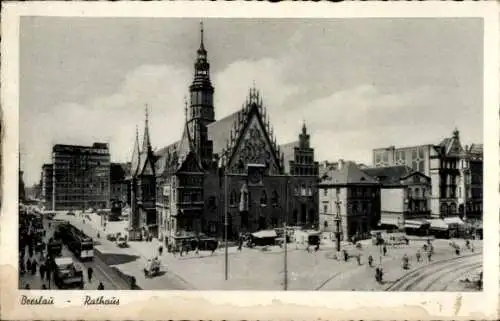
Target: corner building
[233, 164]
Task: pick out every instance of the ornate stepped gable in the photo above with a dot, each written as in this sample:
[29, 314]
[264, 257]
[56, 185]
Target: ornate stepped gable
[251, 139]
[247, 131]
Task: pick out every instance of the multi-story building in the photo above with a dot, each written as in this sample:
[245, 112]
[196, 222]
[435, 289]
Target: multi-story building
[348, 194]
[444, 164]
[119, 186]
[415, 157]
[81, 177]
[47, 185]
[404, 197]
[231, 170]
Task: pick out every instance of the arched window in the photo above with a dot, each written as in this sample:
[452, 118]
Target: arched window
[303, 190]
[417, 192]
[263, 198]
[325, 224]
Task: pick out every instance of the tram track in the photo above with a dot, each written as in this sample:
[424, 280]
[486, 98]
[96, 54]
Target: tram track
[411, 280]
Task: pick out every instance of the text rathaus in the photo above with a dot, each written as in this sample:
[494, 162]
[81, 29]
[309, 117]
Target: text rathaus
[229, 171]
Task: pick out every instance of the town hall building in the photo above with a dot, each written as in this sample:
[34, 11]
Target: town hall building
[227, 173]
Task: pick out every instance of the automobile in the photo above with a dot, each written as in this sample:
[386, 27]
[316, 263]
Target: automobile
[67, 275]
[111, 237]
[121, 241]
[152, 267]
[70, 213]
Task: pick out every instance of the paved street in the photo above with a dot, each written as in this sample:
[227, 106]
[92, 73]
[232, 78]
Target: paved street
[254, 269]
[102, 273]
[127, 261]
[439, 276]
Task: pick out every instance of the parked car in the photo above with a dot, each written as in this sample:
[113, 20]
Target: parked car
[111, 237]
[121, 241]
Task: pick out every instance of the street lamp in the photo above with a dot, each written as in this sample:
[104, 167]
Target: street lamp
[285, 219]
[338, 226]
[465, 170]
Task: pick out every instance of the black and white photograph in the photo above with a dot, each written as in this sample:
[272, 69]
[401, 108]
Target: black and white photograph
[206, 153]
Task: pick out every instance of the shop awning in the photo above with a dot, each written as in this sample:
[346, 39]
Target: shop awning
[389, 221]
[438, 224]
[416, 224]
[265, 234]
[453, 220]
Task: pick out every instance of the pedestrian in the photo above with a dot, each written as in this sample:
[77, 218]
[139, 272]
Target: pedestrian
[457, 250]
[316, 249]
[90, 271]
[33, 267]
[27, 286]
[346, 255]
[100, 286]
[42, 270]
[47, 275]
[472, 247]
[160, 250]
[384, 249]
[358, 258]
[240, 243]
[44, 287]
[429, 255]
[418, 255]
[370, 260]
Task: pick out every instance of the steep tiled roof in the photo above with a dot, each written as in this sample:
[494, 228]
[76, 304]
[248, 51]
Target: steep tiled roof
[219, 131]
[476, 149]
[163, 157]
[288, 151]
[390, 175]
[349, 173]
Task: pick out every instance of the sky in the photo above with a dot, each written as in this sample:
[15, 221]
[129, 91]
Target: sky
[359, 84]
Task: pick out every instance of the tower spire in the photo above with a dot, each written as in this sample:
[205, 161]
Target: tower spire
[202, 46]
[146, 144]
[304, 128]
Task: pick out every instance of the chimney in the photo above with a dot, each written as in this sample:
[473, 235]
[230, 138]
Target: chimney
[340, 164]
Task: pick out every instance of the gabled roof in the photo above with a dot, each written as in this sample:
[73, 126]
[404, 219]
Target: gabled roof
[390, 175]
[186, 148]
[164, 157]
[349, 173]
[136, 154]
[219, 132]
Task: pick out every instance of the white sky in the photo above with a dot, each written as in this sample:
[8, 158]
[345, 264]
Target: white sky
[359, 83]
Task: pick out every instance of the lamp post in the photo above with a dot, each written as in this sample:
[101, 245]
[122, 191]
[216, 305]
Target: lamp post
[338, 226]
[285, 270]
[226, 253]
[465, 170]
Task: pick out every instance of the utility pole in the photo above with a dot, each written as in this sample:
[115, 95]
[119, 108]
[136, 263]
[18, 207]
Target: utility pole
[285, 281]
[226, 259]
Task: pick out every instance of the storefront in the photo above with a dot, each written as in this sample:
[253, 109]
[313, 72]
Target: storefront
[438, 228]
[417, 227]
[456, 226]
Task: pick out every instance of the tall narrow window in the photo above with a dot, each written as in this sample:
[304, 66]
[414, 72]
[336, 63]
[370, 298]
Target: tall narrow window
[274, 198]
[263, 198]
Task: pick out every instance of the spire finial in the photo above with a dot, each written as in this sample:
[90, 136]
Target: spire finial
[304, 129]
[185, 107]
[202, 45]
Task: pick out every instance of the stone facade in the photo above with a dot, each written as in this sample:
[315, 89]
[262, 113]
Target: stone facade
[232, 166]
[452, 168]
[349, 194]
